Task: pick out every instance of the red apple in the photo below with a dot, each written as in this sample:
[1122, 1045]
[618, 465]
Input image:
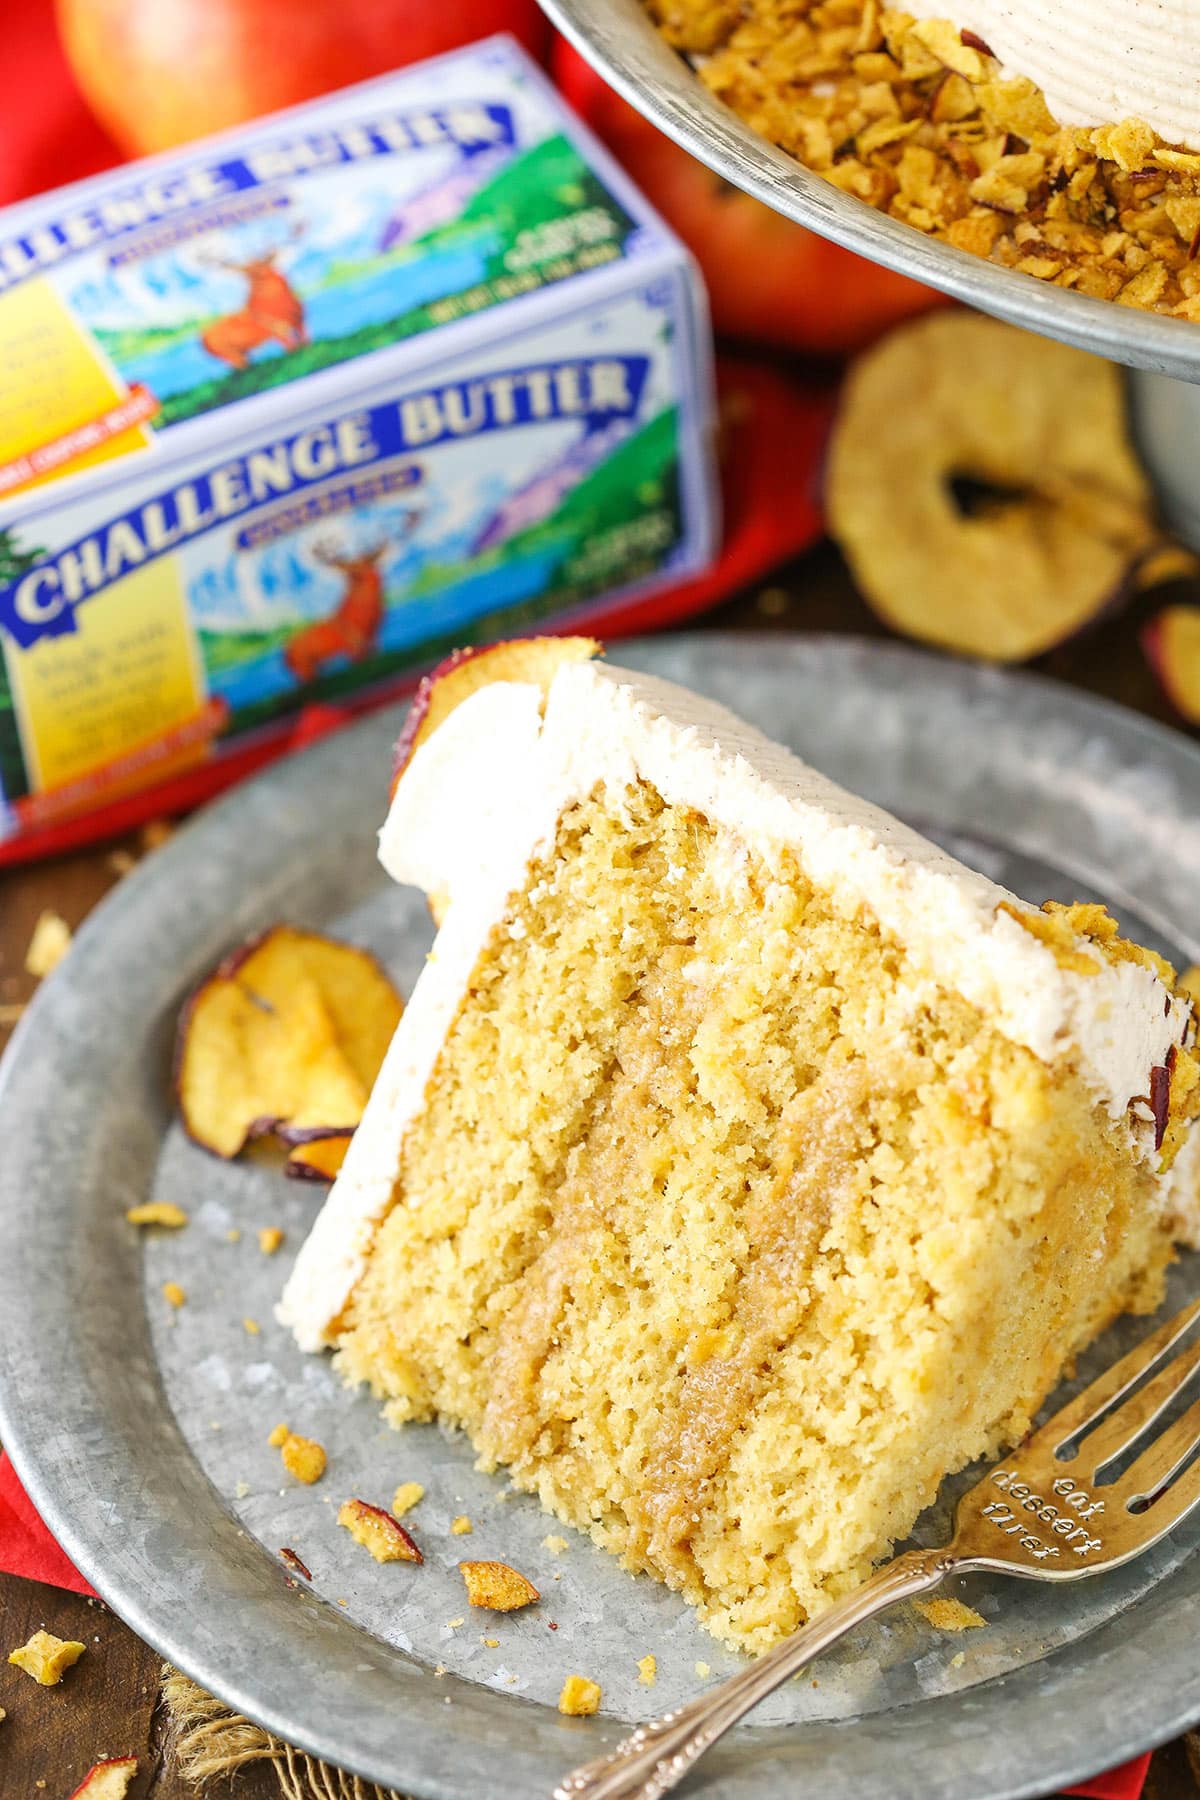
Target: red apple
[159, 72]
[769, 280]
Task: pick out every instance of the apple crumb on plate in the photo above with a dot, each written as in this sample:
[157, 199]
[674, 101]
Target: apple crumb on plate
[378, 1532]
[49, 944]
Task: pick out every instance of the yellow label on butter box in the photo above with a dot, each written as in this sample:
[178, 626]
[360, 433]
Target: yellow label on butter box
[88, 700]
[61, 402]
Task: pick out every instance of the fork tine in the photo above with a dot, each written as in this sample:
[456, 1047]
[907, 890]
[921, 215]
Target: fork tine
[1122, 1427]
[1111, 1387]
[1157, 1464]
[1179, 1500]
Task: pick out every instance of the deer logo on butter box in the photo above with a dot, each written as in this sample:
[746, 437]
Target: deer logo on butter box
[299, 410]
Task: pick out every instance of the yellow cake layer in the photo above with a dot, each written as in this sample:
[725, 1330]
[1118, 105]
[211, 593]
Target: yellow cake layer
[728, 1233]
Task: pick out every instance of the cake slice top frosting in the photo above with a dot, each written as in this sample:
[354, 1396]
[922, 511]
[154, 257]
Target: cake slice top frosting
[481, 799]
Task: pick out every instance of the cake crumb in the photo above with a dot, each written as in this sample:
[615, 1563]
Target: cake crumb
[241, 1490]
[377, 1532]
[279, 1437]
[251, 1327]
[647, 1670]
[173, 1293]
[945, 1614]
[155, 833]
[703, 1671]
[406, 1497]
[49, 944]
[157, 1212]
[958, 1659]
[302, 1457]
[269, 1239]
[453, 1624]
[580, 1697]
[490, 1643]
[496, 1586]
[46, 1657]
[555, 1544]
[461, 1526]
[233, 1235]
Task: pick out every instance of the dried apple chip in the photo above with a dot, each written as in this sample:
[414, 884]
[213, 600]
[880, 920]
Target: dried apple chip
[1172, 645]
[535, 660]
[1036, 432]
[362, 1005]
[273, 1041]
[107, 1780]
[320, 1159]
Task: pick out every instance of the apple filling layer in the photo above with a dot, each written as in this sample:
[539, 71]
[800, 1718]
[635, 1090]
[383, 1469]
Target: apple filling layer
[729, 1232]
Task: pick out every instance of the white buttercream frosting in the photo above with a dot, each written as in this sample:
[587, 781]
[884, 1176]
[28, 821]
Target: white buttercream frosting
[481, 800]
[1096, 61]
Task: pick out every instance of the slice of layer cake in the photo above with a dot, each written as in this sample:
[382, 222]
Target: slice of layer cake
[742, 1164]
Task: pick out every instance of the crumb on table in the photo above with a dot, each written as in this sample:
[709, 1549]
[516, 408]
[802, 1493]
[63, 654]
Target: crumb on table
[377, 1532]
[46, 1657]
[406, 1497]
[173, 1293]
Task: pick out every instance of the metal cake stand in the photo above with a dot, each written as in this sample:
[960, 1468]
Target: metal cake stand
[617, 37]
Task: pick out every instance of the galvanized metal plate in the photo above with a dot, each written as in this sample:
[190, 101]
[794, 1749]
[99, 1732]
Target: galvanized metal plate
[141, 1431]
[619, 39]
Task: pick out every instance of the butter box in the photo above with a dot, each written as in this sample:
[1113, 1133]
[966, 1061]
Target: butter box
[285, 417]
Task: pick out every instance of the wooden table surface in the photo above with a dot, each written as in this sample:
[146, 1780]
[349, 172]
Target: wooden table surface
[109, 1704]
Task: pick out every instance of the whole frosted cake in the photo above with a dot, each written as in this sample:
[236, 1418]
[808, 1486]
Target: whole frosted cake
[742, 1164]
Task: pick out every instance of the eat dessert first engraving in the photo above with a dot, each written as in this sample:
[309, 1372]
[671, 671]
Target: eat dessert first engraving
[1067, 1515]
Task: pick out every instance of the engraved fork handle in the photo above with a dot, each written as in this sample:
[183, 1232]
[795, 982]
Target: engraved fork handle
[655, 1758]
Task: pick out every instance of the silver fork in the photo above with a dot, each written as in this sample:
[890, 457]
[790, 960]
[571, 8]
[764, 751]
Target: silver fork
[1041, 1514]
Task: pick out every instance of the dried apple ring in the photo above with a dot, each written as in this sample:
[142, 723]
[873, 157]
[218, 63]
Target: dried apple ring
[1037, 430]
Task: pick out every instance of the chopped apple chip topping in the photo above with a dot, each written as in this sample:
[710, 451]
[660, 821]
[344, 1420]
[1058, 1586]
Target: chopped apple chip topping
[286, 1036]
[49, 944]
